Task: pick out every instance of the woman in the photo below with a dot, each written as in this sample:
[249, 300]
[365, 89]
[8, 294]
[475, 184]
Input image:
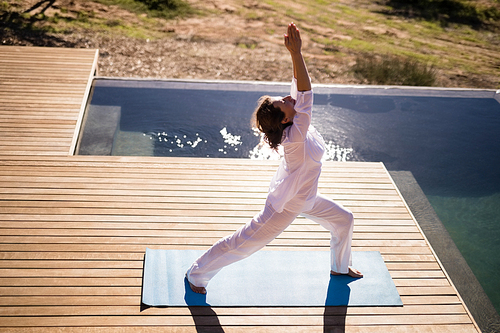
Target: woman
[293, 191]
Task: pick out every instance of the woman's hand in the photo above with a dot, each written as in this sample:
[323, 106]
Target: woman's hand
[293, 42]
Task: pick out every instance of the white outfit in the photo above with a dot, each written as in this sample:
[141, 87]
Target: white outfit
[293, 191]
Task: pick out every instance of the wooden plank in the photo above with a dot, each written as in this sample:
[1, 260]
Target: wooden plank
[173, 219]
[434, 299]
[414, 291]
[62, 281]
[152, 206]
[208, 163]
[229, 225]
[71, 264]
[81, 273]
[70, 291]
[99, 321]
[37, 132]
[116, 171]
[155, 187]
[127, 253]
[279, 241]
[33, 142]
[260, 311]
[69, 194]
[141, 248]
[94, 174]
[123, 278]
[270, 329]
[425, 274]
[131, 177]
[216, 233]
[117, 301]
[35, 152]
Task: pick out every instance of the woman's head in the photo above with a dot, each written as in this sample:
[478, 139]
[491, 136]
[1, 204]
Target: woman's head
[272, 116]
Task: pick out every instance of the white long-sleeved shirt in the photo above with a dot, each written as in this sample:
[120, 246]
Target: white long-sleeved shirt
[295, 184]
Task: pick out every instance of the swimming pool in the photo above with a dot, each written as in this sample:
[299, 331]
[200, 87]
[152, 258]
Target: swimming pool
[446, 138]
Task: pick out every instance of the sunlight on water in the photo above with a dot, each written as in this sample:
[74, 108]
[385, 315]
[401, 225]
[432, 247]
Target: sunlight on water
[262, 151]
[229, 139]
[173, 141]
[333, 152]
[232, 145]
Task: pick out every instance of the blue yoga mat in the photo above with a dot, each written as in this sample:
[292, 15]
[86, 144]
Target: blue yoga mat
[269, 278]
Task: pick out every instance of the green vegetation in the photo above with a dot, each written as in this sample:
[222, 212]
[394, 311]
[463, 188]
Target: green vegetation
[390, 70]
[167, 9]
[467, 12]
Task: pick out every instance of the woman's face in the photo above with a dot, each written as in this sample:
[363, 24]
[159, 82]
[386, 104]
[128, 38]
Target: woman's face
[286, 105]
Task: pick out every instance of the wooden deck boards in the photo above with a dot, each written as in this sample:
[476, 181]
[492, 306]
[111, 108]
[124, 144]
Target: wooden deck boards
[43, 92]
[74, 229]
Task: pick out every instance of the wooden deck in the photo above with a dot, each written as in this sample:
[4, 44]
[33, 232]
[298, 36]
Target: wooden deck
[43, 92]
[74, 229]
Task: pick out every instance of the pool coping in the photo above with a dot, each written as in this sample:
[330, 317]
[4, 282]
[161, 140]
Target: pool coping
[383, 90]
[469, 288]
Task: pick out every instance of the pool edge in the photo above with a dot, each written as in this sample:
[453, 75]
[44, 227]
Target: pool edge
[464, 280]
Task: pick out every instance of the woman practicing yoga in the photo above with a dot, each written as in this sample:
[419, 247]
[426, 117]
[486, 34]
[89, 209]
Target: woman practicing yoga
[294, 188]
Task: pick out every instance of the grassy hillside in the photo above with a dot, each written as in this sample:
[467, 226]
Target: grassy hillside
[452, 43]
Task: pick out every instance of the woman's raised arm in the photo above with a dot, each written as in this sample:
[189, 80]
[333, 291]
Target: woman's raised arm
[293, 43]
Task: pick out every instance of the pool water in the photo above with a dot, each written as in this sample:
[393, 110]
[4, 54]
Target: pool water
[448, 139]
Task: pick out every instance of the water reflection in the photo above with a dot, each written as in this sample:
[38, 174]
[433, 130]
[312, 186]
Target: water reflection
[333, 152]
[176, 144]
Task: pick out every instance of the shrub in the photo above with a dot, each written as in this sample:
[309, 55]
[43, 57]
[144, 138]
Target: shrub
[167, 8]
[450, 11]
[391, 70]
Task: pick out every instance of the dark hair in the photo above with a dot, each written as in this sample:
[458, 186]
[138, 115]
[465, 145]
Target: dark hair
[267, 119]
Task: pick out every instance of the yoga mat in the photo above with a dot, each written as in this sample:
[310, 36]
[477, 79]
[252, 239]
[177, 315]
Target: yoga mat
[269, 278]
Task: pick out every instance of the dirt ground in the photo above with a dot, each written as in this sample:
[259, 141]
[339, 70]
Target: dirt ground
[221, 46]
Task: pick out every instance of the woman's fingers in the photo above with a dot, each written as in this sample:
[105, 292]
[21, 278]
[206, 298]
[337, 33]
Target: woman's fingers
[291, 31]
[294, 30]
[286, 41]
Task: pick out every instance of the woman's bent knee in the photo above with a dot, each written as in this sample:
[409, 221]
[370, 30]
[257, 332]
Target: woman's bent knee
[349, 217]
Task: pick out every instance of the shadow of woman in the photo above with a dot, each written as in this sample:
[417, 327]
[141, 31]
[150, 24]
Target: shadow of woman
[337, 300]
[204, 317]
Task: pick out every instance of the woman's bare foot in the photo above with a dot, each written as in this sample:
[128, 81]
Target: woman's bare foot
[198, 290]
[352, 273]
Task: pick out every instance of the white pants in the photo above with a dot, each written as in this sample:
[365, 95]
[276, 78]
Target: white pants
[266, 226]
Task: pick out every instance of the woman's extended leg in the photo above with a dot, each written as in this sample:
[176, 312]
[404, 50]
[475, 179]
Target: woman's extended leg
[262, 229]
[340, 222]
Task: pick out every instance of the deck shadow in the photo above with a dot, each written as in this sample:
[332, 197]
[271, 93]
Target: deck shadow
[334, 319]
[205, 319]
